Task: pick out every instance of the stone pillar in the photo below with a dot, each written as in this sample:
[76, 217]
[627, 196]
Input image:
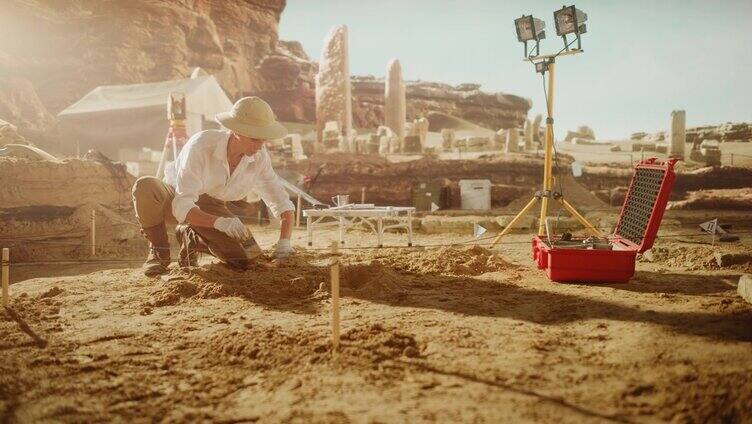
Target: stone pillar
[395, 110]
[536, 129]
[500, 140]
[678, 134]
[529, 144]
[333, 92]
[422, 127]
[513, 140]
[447, 138]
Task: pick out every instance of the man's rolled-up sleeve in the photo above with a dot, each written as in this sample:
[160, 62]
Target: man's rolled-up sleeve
[188, 186]
[270, 189]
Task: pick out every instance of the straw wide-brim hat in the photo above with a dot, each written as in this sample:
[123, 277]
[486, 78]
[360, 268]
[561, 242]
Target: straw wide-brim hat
[252, 117]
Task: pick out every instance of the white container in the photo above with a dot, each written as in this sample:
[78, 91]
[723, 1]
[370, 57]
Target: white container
[475, 194]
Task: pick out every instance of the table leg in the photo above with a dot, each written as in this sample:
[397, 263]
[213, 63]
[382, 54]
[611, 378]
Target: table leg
[409, 228]
[380, 231]
[342, 230]
[309, 228]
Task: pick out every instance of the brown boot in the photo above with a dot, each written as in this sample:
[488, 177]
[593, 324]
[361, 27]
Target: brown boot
[159, 251]
[190, 246]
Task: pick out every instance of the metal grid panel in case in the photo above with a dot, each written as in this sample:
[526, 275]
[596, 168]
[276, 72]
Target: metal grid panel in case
[640, 202]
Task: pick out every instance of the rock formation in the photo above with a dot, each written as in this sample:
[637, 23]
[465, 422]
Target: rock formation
[724, 132]
[9, 134]
[466, 101]
[50, 56]
[64, 52]
[394, 99]
[333, 97]
[678, 134]
[583, 132]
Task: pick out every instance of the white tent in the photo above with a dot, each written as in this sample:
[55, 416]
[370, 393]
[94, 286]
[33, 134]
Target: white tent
[133, 116]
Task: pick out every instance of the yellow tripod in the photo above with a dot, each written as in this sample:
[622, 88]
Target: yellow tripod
[548, 176]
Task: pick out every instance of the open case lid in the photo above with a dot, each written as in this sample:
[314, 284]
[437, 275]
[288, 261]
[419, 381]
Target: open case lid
[645, 202]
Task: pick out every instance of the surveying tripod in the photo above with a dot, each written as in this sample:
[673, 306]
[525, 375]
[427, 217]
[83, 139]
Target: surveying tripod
[177, 135]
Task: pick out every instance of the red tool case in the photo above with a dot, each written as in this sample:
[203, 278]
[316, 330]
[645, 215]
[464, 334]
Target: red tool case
[614, 260]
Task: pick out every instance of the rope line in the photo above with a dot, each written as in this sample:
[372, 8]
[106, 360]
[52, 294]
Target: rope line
[484, 241]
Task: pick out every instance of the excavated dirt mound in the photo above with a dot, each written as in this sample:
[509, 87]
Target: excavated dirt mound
[574, 192]
[296, 280]
[474, 260]
[733, 199]
[368, 274]
[696, 256]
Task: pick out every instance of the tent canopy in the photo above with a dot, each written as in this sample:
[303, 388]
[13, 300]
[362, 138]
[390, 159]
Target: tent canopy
[112, 117]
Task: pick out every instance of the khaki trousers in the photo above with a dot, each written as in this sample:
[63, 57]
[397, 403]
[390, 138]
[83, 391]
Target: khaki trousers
[152, 201]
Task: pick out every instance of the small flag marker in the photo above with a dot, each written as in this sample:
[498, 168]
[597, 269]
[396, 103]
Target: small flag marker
[478, 230]
[434, 207]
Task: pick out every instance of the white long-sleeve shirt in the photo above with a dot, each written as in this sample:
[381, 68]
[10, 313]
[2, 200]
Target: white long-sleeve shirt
[202, 168]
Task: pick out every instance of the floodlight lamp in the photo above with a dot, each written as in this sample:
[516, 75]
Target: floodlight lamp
[529, 28]
[570, 20]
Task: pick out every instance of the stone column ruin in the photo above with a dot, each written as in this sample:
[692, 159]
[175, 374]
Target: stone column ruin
[529, 144]
[513, 140]
[395, 110]
[333, 91]
[678, 134]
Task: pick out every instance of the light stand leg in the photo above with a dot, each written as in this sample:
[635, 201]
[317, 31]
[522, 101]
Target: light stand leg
[514, 220]
[594, 231]
[309, 230]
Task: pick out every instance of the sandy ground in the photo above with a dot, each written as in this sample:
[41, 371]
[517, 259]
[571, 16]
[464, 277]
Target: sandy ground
[429, 334]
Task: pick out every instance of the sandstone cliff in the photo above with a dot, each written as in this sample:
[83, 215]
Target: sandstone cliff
[61, 51]
[53, 52]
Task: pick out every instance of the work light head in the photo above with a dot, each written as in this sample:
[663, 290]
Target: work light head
[570, 20]
[529, 28]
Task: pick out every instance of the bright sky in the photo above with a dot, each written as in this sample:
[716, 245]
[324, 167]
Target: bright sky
[642, 58]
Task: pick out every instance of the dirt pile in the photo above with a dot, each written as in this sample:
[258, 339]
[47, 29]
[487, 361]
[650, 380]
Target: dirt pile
[573, 191]
[697, 256]
[728, 199]
[671, 345]
[473, 260]
[297, 280]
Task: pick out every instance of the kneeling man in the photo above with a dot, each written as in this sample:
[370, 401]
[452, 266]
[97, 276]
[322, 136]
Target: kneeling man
[215, 167]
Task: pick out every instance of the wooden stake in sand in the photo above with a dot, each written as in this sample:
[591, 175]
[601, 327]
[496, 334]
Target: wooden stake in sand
[298, 211]
[6, 275]
[335, 295]
[93, 233]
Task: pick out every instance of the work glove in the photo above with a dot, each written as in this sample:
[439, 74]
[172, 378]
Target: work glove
[233, 227]
[284, 249]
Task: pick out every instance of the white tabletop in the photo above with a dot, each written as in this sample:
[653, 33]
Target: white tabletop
[355, 211]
